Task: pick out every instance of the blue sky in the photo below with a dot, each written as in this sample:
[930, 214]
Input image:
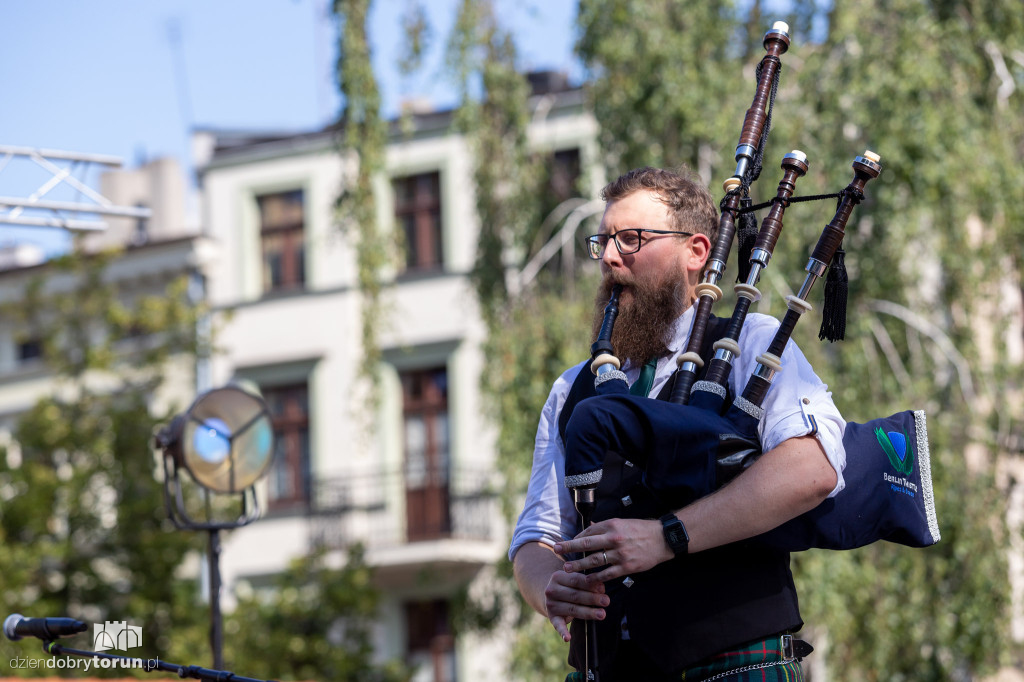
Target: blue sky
[132, 77]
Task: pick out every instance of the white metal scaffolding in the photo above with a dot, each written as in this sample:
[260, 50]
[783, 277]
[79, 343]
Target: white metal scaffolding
[36, 210]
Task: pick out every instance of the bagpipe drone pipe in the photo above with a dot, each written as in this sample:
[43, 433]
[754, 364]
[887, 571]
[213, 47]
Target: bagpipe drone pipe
[687, 451]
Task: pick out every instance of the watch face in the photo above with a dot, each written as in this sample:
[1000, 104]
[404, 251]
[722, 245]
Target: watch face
[675, 534]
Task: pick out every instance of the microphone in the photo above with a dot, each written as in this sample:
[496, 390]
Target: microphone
[17, 626]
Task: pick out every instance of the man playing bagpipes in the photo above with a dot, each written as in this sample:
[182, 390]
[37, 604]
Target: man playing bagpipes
[687, 591]
[667, 492]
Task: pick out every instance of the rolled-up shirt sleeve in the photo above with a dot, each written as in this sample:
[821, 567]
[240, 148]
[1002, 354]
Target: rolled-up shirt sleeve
[798, 403]
[548, 514]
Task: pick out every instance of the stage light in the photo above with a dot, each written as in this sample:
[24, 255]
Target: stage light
[225, 440]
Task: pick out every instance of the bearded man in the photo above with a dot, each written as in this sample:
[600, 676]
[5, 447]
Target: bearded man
[703, 601]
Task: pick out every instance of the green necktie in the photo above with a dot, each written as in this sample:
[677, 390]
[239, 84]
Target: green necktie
[642, 386]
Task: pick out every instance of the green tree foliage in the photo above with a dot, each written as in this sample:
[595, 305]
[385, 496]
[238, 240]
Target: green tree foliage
[314, 625]
[533, 335]
[662, 63]
[543, 333]
[82, 521]
[361, 143]
[934, 87]
[920, 83]
[493, 115]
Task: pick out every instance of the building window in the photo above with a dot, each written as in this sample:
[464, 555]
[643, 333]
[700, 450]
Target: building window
[29, 350]
[425, 436]
[141, 234]
[564, 175]
[290, 474]
[418, 213]
[429, 638]
[282, 242]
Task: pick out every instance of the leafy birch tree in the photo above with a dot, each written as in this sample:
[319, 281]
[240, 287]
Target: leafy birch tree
[508, 180]
[931, 87]
[361, 142]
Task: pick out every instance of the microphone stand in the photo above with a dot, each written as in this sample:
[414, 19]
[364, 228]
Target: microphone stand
[151, 664]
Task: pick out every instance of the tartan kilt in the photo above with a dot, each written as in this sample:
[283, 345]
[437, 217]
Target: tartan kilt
[761, 661]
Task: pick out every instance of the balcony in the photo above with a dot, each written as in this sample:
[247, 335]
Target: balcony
[391, 509]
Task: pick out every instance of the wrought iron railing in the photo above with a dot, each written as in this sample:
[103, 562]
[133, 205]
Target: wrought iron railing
[380, 510]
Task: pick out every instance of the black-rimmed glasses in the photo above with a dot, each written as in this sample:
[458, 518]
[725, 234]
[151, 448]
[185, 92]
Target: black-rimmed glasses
[626, 241]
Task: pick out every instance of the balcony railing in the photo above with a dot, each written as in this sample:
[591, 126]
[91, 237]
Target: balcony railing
[386, 509]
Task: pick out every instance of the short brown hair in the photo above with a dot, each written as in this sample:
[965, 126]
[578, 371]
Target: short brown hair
[689, 202]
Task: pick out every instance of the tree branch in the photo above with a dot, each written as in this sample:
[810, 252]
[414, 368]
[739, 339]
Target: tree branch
[938, 337]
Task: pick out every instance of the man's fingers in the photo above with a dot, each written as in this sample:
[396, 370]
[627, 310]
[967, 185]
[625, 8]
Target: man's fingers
[562, 626]
[568, 610]
[603, 535]
[581, 543]
[580, 591]
[594, 560]
[582, 612]
[571, 596]
[604, 576]
[565, 584]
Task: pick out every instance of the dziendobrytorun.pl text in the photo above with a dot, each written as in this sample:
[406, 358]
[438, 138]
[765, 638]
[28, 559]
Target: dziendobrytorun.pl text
[19, 663]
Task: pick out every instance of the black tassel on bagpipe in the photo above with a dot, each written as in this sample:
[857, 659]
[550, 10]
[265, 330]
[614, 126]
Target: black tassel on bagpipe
[833, 310]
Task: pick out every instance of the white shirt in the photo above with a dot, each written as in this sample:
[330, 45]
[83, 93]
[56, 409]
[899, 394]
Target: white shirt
[796, 404]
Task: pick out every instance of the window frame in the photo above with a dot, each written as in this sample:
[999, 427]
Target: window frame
[425, 238]
[292, 237]
[290, 432]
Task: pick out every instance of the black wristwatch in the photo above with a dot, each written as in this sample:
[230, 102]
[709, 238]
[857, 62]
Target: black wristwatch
[675, 534]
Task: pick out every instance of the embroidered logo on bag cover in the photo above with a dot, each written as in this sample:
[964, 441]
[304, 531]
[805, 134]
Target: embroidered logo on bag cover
[895, 446]
[900, 452]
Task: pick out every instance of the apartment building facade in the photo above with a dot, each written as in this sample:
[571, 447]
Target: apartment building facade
[405, 467]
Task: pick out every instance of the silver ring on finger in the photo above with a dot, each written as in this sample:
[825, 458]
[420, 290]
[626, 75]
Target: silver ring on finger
[605, 555]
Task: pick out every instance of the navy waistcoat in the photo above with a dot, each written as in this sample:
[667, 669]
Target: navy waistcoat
[684, 610]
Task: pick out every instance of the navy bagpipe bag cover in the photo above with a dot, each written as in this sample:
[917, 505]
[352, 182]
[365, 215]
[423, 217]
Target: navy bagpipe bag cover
[888, 493]
[687, 452]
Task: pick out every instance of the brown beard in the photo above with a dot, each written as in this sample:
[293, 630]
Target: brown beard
[647, 313]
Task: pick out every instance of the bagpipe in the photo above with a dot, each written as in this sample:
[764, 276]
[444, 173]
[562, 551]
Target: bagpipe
[694, 443]
[688, 450]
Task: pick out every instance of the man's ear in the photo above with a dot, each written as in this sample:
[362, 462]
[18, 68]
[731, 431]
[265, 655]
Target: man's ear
[700, 248]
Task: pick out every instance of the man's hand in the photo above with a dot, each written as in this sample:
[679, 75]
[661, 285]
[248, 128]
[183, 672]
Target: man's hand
[622, 546]
[570, 595]
[555, 594]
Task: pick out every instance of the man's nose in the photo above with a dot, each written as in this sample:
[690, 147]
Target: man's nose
[611, 255]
